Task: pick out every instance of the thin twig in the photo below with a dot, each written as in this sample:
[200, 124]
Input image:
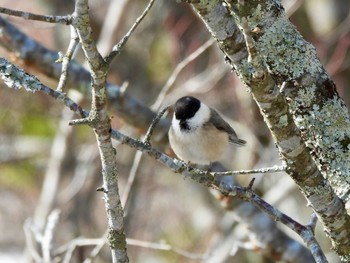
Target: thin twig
[251, 183]
[119, 46]
[166, 247]
[273, 169]
[203, 177]
[17, 78]
[69, 248]
[30, 244]
[86, 159]
[132, 110]
[177, 71]
[303, 231]
[67, 20]
[74, 42]
[115, 12]
[54, 167]
[10, 72]
[48, 237]
[138, 156]
[131, 179]
[98, 246]
[155, 121]
[81, 242]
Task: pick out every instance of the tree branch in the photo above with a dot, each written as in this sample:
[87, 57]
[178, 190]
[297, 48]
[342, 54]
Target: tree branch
[33, 53]
[126, 105]
[119, 46]
[265, 19]
[98, 119]
[66, 20]
[66, 59]
[13, 78]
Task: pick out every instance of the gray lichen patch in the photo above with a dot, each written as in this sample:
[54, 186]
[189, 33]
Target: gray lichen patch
[17, 78]
[317, 110]
[282, 121]
[285, 52]
[326, 133]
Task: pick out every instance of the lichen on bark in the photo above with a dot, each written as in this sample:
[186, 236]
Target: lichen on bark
[307, 118]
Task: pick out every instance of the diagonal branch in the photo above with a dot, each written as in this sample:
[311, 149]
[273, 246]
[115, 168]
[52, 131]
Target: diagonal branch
[66, 59]
[16, 78]
[33, 53]
[66, 20]
[119, 46]
[254, 69]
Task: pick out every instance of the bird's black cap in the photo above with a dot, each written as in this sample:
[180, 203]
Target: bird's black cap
[186, 107]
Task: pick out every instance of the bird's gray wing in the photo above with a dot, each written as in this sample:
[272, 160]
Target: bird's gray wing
[222, 125]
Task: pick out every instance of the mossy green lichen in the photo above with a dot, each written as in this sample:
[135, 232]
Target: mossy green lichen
[116, 239]
[285, 52]
[325, 127]
[282, 121]
[208, 4]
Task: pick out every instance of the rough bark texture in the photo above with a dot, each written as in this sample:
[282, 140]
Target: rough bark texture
[299, 113]
[222, 21]
[99, 120]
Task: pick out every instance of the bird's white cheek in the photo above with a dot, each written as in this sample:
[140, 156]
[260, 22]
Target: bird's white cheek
[176, 127]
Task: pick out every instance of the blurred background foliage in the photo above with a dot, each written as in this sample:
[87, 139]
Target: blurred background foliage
[161, 207]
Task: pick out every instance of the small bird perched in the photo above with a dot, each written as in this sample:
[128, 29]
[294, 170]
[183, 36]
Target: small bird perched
[198, 134]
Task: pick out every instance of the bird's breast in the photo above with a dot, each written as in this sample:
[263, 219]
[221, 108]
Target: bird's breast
[200, 146]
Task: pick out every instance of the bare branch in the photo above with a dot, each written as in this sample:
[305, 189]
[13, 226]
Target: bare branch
[303, 231]
[80, 242]
[165, 89]
[203, 177]
[119, 46]
[94, 252]
[16, 78]
[166, 247]
[74, 41]
[273, 169]
[131, 179]
[137, 158]
[112, 22]
[289, 64]
[66, 20]
[48, 237]
[99, 120]
[133, 111]
[53, 171]
[69, 248]
[30, 242]
[155, 121]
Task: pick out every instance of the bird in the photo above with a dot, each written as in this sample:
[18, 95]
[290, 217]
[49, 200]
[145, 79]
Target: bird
[198, 134]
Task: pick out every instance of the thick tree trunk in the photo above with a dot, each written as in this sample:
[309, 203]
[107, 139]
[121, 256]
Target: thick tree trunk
[298, 100]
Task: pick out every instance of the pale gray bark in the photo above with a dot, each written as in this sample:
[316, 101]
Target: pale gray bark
[264, 73]
[298, 100]
[99, 120]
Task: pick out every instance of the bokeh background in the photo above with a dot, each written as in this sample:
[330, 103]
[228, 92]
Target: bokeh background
[161, 207]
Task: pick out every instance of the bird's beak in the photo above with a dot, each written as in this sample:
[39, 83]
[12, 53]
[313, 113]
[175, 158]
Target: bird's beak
[184, 125]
